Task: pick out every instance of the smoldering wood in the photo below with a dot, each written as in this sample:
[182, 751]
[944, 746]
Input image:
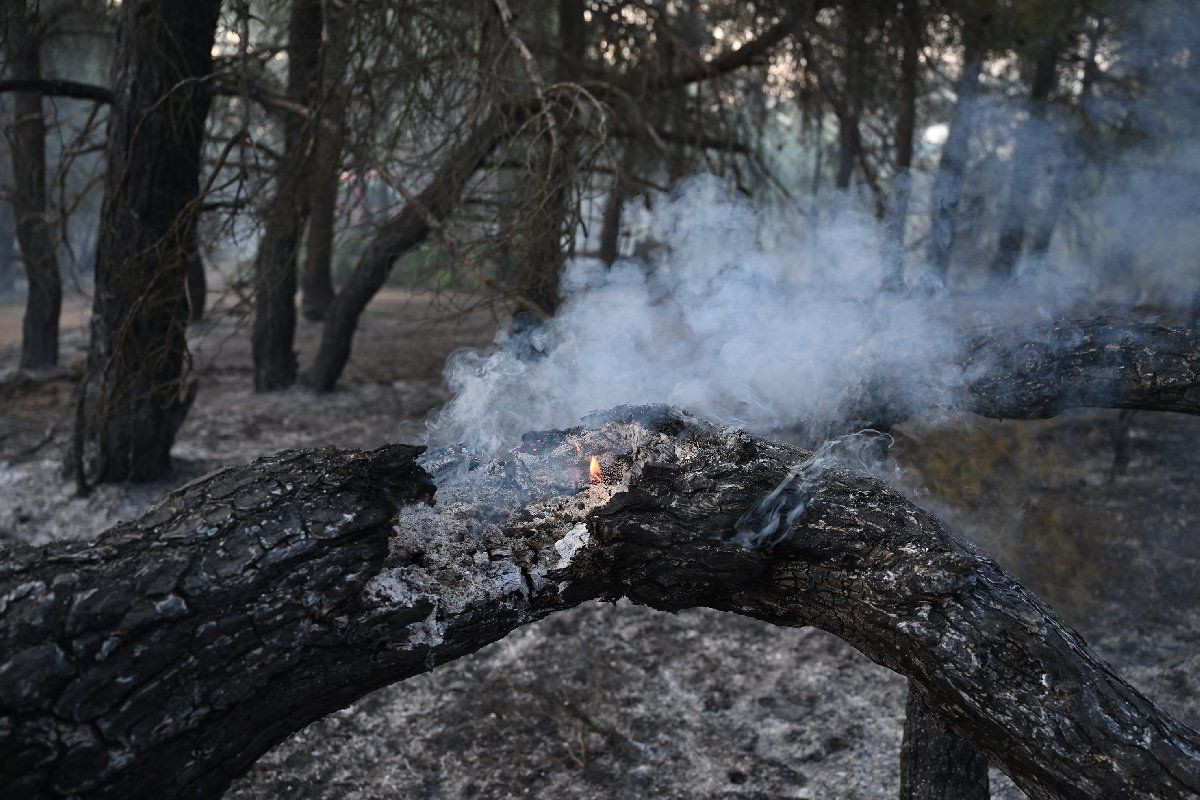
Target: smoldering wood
[164, 659]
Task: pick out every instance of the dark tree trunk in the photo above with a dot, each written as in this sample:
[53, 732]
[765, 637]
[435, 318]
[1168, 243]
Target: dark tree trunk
[849, 137]
[952, 166]
[1026, 161]
[547, 233]
[8, 221]
[906, 126]
[1056, 197]
[274, 333]
[164, 659]
[936, 764]
[27, 135]
[393, 239]
[317, 276]
[317, 286]
[610, 224]
[132, 399]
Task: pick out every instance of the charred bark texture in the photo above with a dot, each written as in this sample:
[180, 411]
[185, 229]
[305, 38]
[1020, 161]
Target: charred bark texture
[935, 764]
[132, 398]
[1035, 373]
[27, 136]
[161, 660]
[164, 659]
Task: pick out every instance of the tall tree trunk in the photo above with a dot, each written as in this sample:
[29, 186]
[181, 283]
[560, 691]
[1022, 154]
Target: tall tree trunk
[548, 233]
[27, 137]
[610, 224]
[394, 238]
[8, 221]
[317, 282]
[273, 336]
[132, 398]
[317, 275]
[906, 126]
[952, 166]
[1026, 160]
[1056, 197]
[849, 137]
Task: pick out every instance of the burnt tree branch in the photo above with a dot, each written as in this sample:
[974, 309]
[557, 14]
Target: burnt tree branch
[1040, 371]
[164, 659]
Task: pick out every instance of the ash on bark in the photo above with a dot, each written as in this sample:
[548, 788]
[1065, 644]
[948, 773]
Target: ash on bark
[167, 657]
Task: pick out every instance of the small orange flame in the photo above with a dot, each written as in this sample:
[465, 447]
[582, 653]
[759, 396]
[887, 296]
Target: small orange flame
[594, 471]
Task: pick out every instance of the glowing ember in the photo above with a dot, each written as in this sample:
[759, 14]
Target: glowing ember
[594, 471]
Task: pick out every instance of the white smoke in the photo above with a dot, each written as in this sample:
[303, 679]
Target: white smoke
[747, 316]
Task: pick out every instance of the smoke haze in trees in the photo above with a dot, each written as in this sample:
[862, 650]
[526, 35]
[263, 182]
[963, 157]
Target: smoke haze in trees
[772, 316]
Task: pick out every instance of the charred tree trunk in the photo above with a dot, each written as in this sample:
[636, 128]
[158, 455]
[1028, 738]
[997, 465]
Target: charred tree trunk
[1026, 159]
[393, 239]
[132, 399]
[162, 660]
[1039, 371]
[935, 764]
[273, 337]
[27, 137]
[952, 166]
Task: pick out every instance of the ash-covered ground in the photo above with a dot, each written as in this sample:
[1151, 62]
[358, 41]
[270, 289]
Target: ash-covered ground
[1098, 511]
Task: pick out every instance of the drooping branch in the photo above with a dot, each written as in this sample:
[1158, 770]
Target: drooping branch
[731, 60]
[163, 660]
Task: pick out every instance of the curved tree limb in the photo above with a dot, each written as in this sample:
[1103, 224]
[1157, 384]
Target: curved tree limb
[164, 659]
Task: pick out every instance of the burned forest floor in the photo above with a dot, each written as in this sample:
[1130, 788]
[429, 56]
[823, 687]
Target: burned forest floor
[1098, 511]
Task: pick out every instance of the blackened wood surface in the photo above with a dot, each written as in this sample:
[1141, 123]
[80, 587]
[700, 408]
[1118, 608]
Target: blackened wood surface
[935, 764]
[167, 657]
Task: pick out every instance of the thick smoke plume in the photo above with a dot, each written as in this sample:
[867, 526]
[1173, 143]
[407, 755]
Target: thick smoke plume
[743, 316]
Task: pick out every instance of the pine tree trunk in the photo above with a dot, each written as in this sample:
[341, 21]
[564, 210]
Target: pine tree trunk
[952, 166]
[1027, 157]
[274, 332]
[906, 126]
[27, 135]
[132, 398]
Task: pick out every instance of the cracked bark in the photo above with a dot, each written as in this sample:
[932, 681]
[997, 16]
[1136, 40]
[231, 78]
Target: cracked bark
[164, 659]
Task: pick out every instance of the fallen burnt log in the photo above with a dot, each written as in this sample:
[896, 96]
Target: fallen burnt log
[1039, 371]
[163, 660]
